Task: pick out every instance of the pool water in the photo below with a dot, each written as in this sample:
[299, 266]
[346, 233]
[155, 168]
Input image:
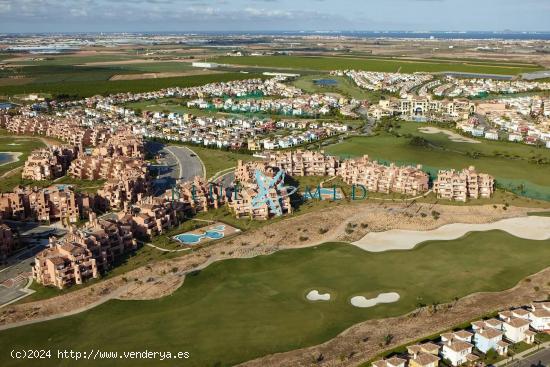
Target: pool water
[214, 233]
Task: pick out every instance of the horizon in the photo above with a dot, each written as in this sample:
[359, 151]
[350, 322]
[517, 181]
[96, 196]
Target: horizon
[124, 16]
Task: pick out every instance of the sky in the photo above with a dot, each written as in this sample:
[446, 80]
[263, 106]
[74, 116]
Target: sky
[272, 15]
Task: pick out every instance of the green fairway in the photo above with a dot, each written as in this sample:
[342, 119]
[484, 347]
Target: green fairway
[80, 89]
[374, 64]
[237, 310]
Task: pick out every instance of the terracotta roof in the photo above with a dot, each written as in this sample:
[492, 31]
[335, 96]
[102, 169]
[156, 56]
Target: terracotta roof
[490, 333]
[517, 322]
[394, 361]
[463, 334]
[459, 346]
[425, 359]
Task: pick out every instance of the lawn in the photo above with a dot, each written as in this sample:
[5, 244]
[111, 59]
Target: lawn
[86, 88]
[236, 310]
[518, 174]
[373, 64]
[216, 160]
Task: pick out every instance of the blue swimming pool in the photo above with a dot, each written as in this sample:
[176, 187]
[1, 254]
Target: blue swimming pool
[214, 233]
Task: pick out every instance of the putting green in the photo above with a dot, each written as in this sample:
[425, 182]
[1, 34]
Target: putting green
[237, 310]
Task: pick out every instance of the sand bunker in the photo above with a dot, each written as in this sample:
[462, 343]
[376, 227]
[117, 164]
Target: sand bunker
[363, 302]
[531, 228]
[314, 295]
[457, 138]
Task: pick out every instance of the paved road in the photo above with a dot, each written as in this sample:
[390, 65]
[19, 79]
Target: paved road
[14, 272]
[539, 359]
[177, 163]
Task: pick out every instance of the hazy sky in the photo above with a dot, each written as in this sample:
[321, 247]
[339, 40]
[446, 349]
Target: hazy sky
[258, 15]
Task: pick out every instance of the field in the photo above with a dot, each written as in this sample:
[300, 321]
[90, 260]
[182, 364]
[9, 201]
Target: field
[86, 88]
[375, 64]
[511, 164]
[236, 310]
[216, 160]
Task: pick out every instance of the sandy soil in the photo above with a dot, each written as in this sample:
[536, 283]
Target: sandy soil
[363, 302]
[532, 228]
[457, 138]
[341, 222]
[133, 61]
[162, 75]
[314, 295]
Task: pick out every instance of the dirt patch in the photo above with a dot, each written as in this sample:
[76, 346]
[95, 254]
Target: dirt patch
[457, 138]
[162, 75]
[133, 61]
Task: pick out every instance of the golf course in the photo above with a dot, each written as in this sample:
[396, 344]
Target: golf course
[260, 304]
[517, 167]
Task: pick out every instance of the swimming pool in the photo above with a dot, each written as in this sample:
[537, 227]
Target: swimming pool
[214, 233]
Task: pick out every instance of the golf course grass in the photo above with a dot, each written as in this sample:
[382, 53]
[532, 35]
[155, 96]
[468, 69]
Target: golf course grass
[236, 310]
[375, 64]
[513, 165]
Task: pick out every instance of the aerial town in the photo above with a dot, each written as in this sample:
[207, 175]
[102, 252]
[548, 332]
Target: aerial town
[268, 198]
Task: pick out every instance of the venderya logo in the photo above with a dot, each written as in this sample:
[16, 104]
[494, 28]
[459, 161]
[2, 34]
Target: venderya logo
[271, 190]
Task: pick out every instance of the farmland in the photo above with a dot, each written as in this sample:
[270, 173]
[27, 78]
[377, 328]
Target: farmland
[375, 64]
[81, 89]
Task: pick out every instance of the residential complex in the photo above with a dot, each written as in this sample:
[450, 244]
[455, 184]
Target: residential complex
[376, 177]
[465, 347]
[48, 163]
[83, 253]
[463, 185]
[51, 204]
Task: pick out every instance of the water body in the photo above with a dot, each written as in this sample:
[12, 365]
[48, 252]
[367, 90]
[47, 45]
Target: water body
[325, 82]
[6, 105]
[8, 157]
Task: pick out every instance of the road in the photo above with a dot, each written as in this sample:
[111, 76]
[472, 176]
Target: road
[15, 271]
[539, 359]
[527, 358]
[177, 163]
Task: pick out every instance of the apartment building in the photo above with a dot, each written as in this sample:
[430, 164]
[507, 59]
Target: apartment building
[51, 204]
[303, 163]
[118, 193]
[463, 185]
[48, 163]
[84, 253]
[64, 264]
[87, 167]
[198, 195]
[7, 241]
[376, 177]
[153, 216]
